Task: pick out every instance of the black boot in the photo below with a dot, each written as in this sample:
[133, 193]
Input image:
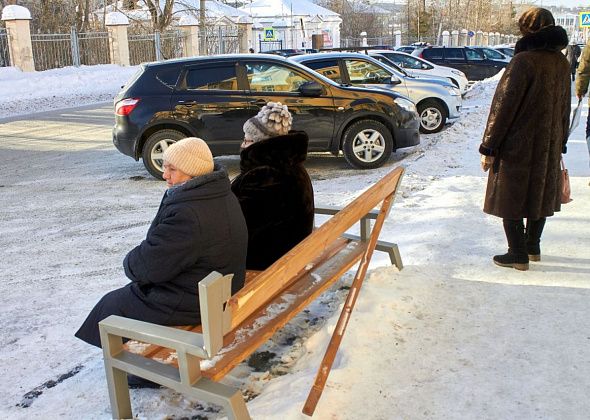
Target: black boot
[517, 256]
[534, 229]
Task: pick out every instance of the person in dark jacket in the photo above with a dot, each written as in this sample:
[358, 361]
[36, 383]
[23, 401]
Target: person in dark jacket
[526, 133]
[273, 187]
[572, 53]
[199, 228]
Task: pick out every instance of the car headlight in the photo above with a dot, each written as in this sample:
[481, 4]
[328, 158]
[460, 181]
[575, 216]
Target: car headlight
[453, 90]
[406, 104]
[458, 73]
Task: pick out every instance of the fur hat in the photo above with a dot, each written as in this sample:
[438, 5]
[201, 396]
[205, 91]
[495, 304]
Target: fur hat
[274, 119]
[535, 19]
[190, 155]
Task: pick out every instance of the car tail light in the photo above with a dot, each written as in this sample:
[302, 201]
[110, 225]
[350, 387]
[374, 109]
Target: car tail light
[124, 107]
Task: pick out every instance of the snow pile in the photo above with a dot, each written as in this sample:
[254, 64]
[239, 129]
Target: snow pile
[28, 92]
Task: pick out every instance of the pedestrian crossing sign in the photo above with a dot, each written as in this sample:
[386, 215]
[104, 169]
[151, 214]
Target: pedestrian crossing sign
[269, 34]
[584, 19]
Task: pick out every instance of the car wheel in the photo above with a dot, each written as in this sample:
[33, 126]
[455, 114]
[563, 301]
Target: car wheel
[432, 116]
[154, 147]
[367, 144]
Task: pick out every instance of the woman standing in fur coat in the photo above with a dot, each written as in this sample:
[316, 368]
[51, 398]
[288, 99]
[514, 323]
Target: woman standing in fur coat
[273, 187]
[526, 133]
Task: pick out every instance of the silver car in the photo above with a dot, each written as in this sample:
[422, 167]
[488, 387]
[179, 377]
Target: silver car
[437, 101]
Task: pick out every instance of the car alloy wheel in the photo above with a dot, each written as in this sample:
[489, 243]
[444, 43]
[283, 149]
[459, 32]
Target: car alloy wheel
[367, 144]
[154, 148]
[432, 117]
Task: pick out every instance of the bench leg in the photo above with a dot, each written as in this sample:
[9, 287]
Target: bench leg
[116, 378]
[393, 251]
[118, 393]
[228, 397]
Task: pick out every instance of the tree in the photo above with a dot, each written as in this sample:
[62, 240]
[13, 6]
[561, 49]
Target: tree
[160, 18]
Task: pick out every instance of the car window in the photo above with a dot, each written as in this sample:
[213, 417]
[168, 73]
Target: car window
[454, 54]
[169, 76]
[214, 77]
[364, 72]
[328, 68]
[489, 53]
[272, 77]
[473, 55]
[432, 53]
[405, 61]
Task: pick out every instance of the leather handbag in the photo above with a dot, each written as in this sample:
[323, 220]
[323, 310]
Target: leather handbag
[566, 190]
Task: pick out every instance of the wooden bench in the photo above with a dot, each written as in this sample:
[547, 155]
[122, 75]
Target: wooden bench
[192, 359]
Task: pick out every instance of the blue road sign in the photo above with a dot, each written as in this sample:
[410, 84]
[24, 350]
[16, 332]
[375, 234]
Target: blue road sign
[584, 19]
[269, 34]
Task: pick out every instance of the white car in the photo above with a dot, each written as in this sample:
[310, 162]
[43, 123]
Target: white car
[418, 67]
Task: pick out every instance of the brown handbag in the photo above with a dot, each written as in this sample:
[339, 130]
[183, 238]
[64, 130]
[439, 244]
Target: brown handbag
[566, 189]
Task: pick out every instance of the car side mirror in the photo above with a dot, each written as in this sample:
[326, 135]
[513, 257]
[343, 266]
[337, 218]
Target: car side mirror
[424, 66]
[394, 80]
[311, 89]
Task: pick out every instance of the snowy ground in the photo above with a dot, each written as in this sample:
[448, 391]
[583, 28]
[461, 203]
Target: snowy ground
[450, 336]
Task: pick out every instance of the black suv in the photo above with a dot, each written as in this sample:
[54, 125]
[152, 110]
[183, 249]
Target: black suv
[212, 97]
[473, 63]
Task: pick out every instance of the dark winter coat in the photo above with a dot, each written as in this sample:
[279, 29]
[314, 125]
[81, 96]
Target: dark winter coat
[199, 228]
[276, 196]
[527, 129]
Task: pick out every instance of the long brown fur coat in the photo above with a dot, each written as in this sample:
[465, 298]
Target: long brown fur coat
[527, 129]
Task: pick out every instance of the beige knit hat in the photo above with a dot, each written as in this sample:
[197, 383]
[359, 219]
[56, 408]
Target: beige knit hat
[274, 119]
[191, 155]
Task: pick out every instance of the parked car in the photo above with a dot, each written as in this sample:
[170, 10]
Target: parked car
[492, 53]
[436, 100]
[406, 48]
[417, 67]
[506, 50]
[285, 52]
[211, 98]
[471, 62]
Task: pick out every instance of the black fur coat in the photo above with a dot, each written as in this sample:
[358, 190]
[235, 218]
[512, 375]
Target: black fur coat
[276, 196]
[528, 127]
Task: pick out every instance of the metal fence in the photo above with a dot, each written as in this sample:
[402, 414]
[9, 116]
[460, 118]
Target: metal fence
[155, 47]
[60, 50]
[223, 39]
[94, 48]
[4, 53]
[384, 41]
[52, 51]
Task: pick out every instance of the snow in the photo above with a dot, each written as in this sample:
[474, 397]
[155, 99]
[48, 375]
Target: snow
[28, 92]
[116, 18]
[270, 8]
[15, 12]
[449, 336]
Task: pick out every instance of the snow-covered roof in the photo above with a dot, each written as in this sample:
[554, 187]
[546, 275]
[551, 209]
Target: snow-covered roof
[15, 12]
[214, 10]
[273, 8]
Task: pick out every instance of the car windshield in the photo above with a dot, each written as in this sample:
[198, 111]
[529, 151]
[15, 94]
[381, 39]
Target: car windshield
[390, 64]
[405, 61]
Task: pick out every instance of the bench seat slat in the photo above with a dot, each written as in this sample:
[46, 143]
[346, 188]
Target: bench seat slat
[299, 293]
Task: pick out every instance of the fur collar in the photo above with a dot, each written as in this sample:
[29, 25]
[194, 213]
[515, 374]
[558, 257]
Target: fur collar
[280, 152]
[549, 38]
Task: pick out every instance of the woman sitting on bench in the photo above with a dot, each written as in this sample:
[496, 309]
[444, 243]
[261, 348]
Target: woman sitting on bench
[273, 187]
[199, 228]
